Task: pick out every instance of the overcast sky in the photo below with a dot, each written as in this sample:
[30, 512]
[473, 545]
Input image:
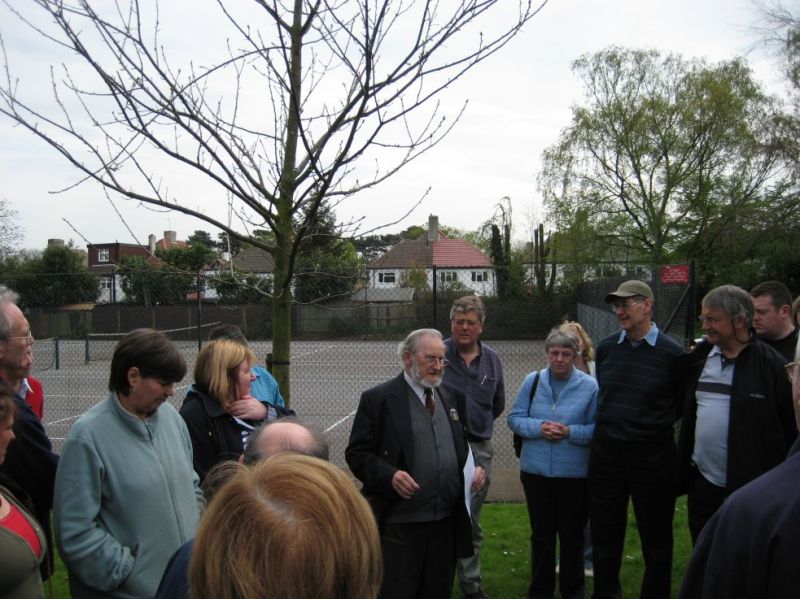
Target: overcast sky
[519, 100]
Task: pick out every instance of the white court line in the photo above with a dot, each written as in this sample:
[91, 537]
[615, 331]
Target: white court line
[340, 421]
[63, 420]
[314, 351]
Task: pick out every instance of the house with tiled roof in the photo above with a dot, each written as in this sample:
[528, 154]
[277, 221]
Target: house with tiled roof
[457, 264]
[250, 261]
[103, 259]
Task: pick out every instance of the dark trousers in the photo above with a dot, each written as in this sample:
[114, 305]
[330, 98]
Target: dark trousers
[704, 498]
[419, 560]
[556, 506]
[643, 472]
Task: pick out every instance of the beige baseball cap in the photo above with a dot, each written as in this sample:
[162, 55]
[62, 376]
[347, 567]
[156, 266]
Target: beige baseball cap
[630, 289]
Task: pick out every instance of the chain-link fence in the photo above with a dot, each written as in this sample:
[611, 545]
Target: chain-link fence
[674, 309]
[342, 342]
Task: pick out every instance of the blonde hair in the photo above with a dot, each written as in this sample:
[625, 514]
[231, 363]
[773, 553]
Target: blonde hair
[292, 526]
[574, 328]
[215, 368]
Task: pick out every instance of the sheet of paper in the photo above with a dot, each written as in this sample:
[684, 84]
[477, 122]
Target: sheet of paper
[469, 476]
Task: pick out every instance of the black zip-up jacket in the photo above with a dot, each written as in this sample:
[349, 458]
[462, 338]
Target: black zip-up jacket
[762, 426]
[214, 433]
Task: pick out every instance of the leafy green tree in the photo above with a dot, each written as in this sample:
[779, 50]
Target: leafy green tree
[241, 288]
[413, 232]
[227, 243]
[192, 258]
[59, 277]
[327, 265]
[146, 284]
[203, 238]
[373, 246]
[416, 278]
[664, 153]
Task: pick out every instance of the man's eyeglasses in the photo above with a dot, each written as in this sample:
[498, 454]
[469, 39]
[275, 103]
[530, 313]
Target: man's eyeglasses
[28, 338]
[791, 368]
[620, 305]
[710, 320]
[461, 323]
[434, 360]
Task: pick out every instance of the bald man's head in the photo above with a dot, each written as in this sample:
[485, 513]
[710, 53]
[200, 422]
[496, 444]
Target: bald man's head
[286, 434]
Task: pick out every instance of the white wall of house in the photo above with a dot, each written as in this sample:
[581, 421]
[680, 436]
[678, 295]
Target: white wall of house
[480, 280]
[105, 283]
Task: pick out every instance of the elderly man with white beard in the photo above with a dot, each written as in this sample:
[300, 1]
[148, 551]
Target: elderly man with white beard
[408, 447]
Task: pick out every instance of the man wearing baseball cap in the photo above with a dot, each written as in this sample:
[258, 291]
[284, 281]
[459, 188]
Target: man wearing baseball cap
[633, 451]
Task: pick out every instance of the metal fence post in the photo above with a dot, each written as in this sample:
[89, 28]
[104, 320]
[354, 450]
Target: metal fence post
[433, 287]
[56, 348]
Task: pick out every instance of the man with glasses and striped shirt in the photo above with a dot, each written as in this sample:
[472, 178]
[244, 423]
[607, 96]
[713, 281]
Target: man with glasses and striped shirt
[738, 420]
[749, 546]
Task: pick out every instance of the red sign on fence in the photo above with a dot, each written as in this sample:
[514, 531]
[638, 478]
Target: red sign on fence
[675, 274]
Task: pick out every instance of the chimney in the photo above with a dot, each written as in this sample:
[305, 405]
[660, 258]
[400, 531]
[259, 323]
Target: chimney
[433, 228]
[53, 243]
[151, 244]
[170, 237]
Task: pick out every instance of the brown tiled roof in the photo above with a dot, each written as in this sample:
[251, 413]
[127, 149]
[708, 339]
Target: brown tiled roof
[453, 253]
[165, 244]
[254, 260]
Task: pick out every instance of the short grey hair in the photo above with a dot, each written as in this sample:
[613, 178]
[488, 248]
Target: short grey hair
[7, 296]
[468, 303]
[559, 338]
[732, 300]
[411, 343]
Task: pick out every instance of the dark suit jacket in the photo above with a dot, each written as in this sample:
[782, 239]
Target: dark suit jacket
[382, 442]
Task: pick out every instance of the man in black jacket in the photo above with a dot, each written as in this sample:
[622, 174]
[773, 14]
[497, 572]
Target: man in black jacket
[408, 446]
[29, 470]
[738, 420]
[749, 547]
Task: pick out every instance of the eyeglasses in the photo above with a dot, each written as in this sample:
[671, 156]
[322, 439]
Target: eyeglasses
[626, 305]
[710, 320]
[791, 368]
[434, 360]
[470, 323]
[28, 338]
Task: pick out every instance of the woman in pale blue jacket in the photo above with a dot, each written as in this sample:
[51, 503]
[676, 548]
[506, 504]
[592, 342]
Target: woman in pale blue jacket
[554, 414]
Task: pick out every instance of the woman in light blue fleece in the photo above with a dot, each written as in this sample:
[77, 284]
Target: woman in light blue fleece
[126, 494]
[556, 423]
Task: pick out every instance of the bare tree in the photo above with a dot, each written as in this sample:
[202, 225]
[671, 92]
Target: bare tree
[307, 101]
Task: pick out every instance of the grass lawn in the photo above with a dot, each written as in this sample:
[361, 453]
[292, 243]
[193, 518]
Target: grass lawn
[506, 554]
[505, 559]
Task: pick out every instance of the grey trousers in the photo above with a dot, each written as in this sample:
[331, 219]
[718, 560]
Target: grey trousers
[469, 568]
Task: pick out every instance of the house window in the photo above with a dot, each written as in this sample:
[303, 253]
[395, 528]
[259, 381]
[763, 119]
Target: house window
[386, 277]
[448, 276]
[102, 255]
[480, 276]
[105, 283]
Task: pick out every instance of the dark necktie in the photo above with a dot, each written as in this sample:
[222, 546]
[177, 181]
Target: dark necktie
[429, 405]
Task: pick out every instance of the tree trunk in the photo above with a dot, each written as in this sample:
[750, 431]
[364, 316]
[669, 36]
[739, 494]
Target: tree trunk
[284, 233]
